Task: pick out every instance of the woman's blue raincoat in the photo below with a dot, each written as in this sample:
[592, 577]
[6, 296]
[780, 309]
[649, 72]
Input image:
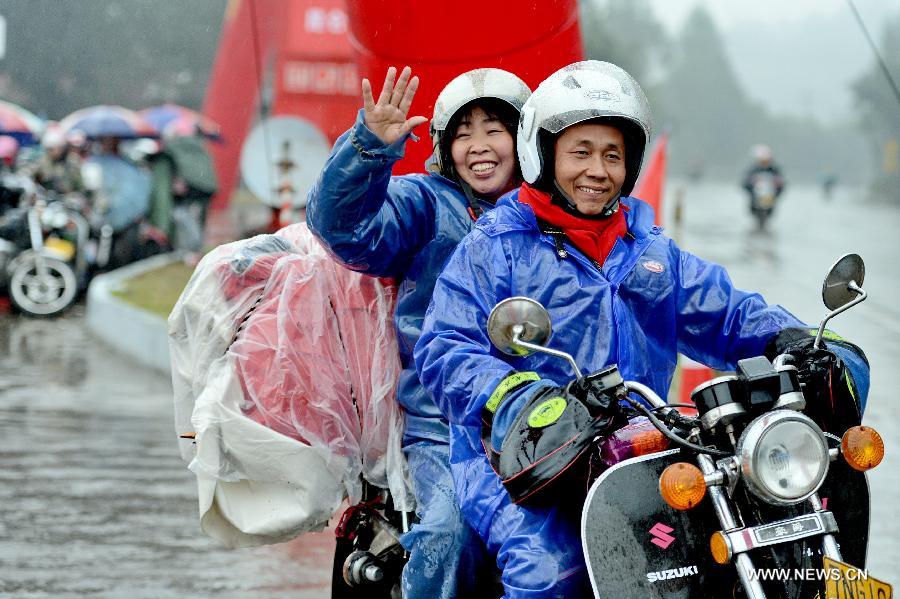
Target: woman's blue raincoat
[402, 227]
[405, 228]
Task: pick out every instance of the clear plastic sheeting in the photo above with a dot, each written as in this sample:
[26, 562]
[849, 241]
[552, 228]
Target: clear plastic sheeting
[284, 367]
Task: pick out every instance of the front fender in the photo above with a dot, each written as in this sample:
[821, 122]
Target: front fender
[636, 545]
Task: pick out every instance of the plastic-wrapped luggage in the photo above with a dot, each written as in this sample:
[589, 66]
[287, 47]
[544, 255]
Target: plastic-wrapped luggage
[284, 367]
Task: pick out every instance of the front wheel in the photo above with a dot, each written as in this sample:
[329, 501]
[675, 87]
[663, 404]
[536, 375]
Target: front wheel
[761, 218]
[42, 286]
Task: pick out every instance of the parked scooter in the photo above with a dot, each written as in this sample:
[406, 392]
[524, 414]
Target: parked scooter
[44, 261]
[788, 507]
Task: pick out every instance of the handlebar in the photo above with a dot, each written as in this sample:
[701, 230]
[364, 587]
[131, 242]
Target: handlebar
[658, 403]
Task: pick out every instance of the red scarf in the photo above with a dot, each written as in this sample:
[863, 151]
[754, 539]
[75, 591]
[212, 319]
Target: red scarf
[593, 237]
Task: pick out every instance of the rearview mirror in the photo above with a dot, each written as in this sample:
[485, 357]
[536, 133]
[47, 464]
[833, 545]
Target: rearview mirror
[518, 315]
[837, 290]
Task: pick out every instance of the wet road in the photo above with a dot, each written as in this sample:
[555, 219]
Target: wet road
[787, 265]
[94, 499]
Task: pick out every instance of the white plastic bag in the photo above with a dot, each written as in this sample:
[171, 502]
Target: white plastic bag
[284, 367]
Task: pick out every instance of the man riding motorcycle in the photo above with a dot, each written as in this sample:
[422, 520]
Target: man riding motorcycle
[405, 228]
[617, 290]
[764, 184]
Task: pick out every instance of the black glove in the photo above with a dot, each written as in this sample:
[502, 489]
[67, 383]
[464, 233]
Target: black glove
[831, 397]
[553, 430]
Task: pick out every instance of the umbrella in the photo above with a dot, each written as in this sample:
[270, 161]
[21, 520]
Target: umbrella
[173, 120]
[19, 123]
[108, 121]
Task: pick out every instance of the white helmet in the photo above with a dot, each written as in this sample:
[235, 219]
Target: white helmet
[53, 138]
[761, 153]
[576, 93]
[474, 85]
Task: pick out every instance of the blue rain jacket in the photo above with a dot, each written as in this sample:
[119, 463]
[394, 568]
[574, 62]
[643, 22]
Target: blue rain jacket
[401, 227]
[649, 301]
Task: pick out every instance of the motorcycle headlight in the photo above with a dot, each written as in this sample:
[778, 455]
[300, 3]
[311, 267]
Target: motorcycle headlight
[54, 217]
[784, 457]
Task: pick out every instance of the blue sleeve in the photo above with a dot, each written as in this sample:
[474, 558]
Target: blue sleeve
[454, 356]
[858, 367]
[371, 221]
[718, 324]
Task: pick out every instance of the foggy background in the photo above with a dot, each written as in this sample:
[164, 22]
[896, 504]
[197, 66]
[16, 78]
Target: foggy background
[721, 76]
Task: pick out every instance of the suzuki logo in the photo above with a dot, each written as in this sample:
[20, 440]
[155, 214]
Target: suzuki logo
[661, 537]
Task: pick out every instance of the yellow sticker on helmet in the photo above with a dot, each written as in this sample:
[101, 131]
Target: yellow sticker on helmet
[547, 412]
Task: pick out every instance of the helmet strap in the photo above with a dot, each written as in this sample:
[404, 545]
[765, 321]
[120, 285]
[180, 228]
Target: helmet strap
[474, 200]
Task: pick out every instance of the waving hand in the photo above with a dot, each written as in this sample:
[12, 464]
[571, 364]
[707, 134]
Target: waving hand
[386, 118]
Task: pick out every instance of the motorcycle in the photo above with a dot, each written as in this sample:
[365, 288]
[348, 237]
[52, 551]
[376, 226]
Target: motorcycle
[44, 252]
[764, 187]
[788, 502]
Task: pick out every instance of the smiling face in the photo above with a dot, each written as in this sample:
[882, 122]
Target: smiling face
[590, 165]
[484, 154]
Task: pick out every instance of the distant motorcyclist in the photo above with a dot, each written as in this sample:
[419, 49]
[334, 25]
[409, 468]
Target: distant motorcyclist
[764, 184]
[618, 292]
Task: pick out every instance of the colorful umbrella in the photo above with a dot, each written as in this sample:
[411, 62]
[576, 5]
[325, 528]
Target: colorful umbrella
[19, 123]
[108, 121]
[173, 120]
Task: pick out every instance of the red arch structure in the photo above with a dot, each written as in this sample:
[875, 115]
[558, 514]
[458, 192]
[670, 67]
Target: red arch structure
[306, 58]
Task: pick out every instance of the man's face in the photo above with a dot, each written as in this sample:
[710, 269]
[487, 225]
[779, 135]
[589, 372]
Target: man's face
[590, 165]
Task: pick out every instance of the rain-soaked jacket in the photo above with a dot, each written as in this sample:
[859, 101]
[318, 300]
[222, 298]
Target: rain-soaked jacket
[401, 227]
[648, 301]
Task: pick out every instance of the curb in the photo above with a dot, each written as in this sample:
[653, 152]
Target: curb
[124, 327]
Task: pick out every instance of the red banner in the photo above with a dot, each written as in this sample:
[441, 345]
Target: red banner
[312, 53]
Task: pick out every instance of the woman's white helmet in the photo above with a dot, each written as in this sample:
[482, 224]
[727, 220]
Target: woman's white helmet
[475, 85]
[580, 92]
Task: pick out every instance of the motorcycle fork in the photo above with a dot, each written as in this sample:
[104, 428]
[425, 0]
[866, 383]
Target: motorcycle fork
[105, 246]
[742, 561]
[36, 234]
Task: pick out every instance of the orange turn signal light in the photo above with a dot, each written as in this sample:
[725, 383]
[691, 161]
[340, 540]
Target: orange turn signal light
[720, 548]
[682, 486]
[862, 447]
[648, 442]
